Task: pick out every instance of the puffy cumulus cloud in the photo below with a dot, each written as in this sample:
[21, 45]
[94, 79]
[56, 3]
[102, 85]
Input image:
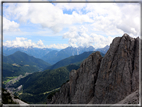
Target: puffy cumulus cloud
[72, 33]
[40, 43]
[24, 42]
[101, 41]
[115, 18]
[57, 46]
[10, 26]
[109, 18]
[80, 37]
[15, 11]
[130, 22]
[45, 14]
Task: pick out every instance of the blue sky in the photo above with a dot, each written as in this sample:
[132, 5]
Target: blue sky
[61, 25]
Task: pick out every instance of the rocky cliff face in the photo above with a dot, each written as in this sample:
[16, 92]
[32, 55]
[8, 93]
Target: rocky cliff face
[106, 80]
[119, 71]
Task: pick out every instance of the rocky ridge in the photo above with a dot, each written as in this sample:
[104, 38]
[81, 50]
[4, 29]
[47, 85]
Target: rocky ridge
[106, 80]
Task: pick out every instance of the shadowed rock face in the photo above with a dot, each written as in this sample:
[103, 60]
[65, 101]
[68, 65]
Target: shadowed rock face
[119, 71]
[80, 88]
[106, 80]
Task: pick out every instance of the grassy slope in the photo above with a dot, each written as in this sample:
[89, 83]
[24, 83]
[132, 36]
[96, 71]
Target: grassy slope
[70, 60]
[9, 70]
[23, 59]
[39, 84]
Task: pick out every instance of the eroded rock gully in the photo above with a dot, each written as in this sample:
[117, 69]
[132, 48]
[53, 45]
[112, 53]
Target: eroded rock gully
[106, 80]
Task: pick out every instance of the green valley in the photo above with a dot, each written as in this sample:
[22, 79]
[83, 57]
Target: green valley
[42, 83]
[11, 71]
[37, 86]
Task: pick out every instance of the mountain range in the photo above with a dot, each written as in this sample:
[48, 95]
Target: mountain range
[22, 58]
[103, 50]
[53, 78]
[36, 52]
[54, 56]
[49, 55]
[36, 86]
[88, 78]
[76, 59]
[18, 61]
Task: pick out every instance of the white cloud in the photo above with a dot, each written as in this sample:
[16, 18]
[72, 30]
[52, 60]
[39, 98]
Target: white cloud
[40, 43]
[130, 20]
[45, 14]
[71, 6]
[80, 37]
[19, 42]
[115, 18]
[72, 33]
[109, 19]
[101, 41]
[24, 42]
[57, 46]
[10, 26]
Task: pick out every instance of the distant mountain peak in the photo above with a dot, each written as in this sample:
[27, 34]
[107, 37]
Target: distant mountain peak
[53, 57]
[26, 59]
[103, 50]
[36, 52]
[21, 53]
[106, 46]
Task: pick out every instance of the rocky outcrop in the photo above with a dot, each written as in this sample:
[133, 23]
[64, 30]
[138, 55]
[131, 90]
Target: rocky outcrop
[106, 80]
[80, 88]
[82, 80]
[9, 98]
[119, 71]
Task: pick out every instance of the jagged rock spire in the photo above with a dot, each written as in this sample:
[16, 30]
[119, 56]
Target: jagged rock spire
[106, 80]
[119, 71]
